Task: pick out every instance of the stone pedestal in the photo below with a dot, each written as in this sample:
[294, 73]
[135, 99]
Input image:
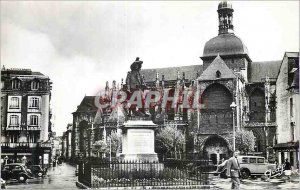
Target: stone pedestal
[138, 141]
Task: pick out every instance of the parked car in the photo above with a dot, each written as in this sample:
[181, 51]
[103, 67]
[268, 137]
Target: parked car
[16, 171]
[254, 166]
[37, 170]
[3, 184]
[249, 165]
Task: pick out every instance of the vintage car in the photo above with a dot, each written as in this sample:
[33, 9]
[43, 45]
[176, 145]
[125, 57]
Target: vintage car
[254, 166]
[16, 171]
[3, 184]
[249, 165]
[37, 170]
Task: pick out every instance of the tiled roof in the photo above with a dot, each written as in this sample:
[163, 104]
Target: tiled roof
[259, 70]
[87, 104]
[170, 73]
[217, 65]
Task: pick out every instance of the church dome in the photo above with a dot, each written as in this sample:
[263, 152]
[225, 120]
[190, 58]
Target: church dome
[224, 44]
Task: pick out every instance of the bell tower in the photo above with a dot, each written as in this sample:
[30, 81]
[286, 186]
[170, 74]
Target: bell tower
[225, 18]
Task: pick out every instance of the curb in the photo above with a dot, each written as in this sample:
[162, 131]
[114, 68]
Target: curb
[82, 186]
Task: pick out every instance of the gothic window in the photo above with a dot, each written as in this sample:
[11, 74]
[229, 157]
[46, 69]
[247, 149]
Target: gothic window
[35, 85]
[14, 103]
[15, 84]
[34, 102]
[14, 120]
[34, 120]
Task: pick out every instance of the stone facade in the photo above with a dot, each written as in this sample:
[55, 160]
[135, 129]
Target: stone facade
[25, 116]
[287, 93]
[227, 75]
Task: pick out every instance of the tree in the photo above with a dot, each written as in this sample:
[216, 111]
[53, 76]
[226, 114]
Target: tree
[113, 143]
[100, 147]
[245, 141]
[116, 141]
[170, 139]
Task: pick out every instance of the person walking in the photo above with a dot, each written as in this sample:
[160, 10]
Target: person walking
[287, 169]
[233, 170]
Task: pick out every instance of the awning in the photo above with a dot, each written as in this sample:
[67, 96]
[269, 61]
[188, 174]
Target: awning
[289, 146]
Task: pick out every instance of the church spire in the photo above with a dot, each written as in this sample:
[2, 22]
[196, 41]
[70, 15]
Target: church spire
[225, 11]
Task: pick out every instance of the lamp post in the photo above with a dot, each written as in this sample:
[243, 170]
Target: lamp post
[5, 159]
[233, 106]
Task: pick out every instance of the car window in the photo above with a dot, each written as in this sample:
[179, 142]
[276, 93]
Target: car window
[17, 168]
[245, 160]
[252, 160]
[6, 167]
[260, 160]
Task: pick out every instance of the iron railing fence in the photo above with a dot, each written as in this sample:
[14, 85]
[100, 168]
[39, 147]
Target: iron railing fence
[170, 172]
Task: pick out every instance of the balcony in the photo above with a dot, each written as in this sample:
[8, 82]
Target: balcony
[25, 145]
[21, 128]
[33, 128]
[18, 145]
[14, 128]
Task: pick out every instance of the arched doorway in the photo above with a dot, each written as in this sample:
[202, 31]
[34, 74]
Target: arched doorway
[216, 148]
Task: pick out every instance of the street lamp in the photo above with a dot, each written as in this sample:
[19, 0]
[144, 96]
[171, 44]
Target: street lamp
[5, 159]
[233, 106]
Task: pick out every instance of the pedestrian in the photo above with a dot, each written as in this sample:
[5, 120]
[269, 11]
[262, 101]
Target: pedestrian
[287, 169]
[233, 170]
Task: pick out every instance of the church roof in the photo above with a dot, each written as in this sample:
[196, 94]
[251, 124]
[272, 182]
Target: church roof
[170, 73]
[217, 65]
[225, 44]
[259, 70]
[87, 104]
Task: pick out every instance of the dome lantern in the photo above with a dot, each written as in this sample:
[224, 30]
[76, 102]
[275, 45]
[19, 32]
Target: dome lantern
[225, 12]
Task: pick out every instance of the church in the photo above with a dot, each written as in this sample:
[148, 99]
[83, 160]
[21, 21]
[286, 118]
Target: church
[235, 93]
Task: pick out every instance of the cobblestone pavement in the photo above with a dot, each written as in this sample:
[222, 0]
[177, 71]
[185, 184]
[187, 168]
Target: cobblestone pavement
[60, 177]
[220, 183]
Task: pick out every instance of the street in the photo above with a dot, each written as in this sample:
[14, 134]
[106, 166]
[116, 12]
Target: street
[59, 177]
[220, 183]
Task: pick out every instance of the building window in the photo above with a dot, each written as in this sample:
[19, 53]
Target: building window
[14, 120]
[34, 102]
[218, 74]
[291, 107]
[35, 85]
[292, 131]
[15, 84]
[34, 120]
[14, 103]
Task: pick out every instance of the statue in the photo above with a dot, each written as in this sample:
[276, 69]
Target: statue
[134, 80]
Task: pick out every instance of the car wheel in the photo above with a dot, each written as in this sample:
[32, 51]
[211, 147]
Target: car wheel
[22, 178]
[245, 173]
[40, 174]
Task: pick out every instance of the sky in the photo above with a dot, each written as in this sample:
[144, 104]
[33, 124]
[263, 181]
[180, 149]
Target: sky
[81, 45]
